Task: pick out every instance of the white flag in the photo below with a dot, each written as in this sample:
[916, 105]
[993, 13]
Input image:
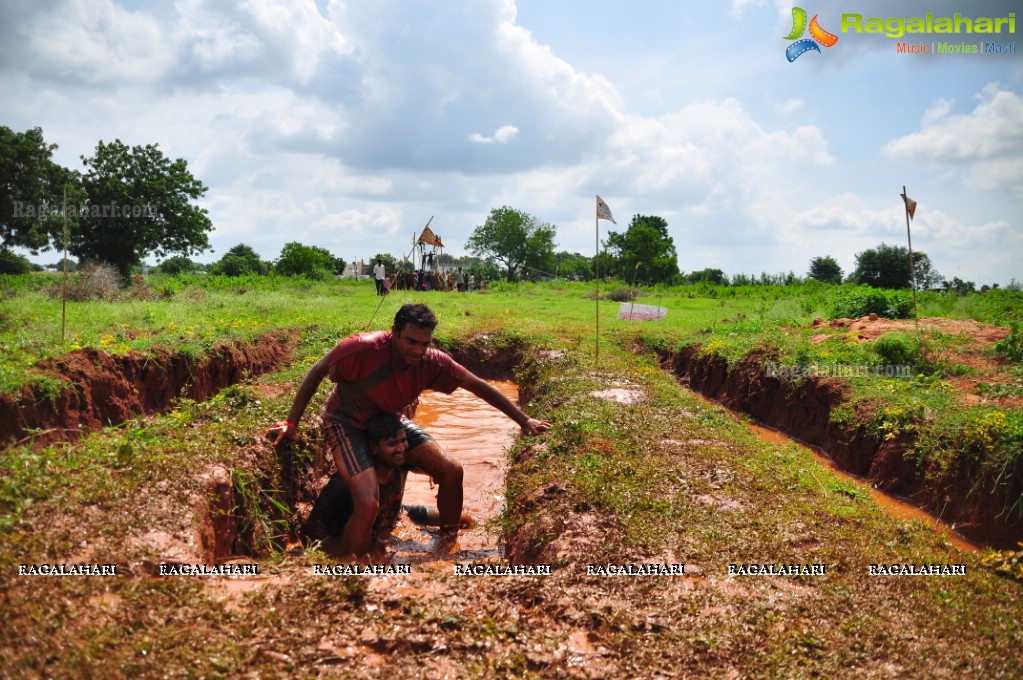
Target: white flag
[604, 212]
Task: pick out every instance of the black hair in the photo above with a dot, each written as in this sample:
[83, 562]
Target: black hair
[382, 426]
[416, 314]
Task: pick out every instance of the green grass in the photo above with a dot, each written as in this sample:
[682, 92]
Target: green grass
[669, 477]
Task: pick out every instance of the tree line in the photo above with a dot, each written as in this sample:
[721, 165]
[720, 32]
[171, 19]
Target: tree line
[131, 202]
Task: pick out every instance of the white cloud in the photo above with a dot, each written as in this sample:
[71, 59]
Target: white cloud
[502, 135]
[89, 42]
[987, 142]
[791, 105]
[355, 122]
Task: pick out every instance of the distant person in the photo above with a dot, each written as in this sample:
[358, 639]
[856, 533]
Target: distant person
[380, 276]
[388, 440]
[385, 372]
[460, 280]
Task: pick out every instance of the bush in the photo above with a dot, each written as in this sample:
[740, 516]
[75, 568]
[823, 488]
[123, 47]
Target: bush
[96, 281]
[864, 300]
[1012, 345]
[897, 349]
[623, 294]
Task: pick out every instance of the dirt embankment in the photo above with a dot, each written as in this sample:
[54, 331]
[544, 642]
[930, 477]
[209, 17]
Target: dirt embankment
[803, 411]
[106, 389]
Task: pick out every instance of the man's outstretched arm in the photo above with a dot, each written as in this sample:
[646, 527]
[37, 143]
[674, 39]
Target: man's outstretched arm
[493, 396]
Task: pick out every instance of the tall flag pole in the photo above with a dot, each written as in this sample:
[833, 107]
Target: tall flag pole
[63, 294]
[910, 212]
[603, 213]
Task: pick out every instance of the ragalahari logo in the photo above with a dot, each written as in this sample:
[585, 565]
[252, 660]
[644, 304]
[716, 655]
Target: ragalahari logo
[817, 35]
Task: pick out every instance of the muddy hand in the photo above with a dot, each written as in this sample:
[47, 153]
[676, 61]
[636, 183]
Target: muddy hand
[534, 426]
[278, 432]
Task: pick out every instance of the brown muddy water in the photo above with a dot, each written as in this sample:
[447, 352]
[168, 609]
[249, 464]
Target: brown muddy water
[893, 505]
[476, 435]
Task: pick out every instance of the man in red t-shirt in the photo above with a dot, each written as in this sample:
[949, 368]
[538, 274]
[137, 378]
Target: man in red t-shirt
[386, 372]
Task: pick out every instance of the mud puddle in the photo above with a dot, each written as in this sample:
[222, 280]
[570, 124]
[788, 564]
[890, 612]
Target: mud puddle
[893, 505]
[476, 435]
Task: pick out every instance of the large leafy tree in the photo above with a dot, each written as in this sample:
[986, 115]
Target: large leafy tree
[32, 191]
[644, 253]
[300, 260]
[179, 264]
[888, 267]
[239, 261]
[140, 202]
[826, 269]
[573, 265]
[515, 239]
[391, 263]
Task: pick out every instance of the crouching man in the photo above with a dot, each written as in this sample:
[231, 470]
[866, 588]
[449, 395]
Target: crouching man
[385, 372]
[389, 440]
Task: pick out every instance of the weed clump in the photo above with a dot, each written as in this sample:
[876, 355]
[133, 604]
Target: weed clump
[624, 294]
[862, 301]
[897, 349]
[95, 282]
[1011, 346]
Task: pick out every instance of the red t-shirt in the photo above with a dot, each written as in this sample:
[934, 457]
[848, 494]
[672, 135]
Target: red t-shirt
[368, 384]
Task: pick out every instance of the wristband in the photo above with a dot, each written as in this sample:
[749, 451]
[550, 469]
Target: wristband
[286, 424]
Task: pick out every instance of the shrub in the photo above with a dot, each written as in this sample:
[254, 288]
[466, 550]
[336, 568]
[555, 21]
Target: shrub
[864, 300]
[1011, 345]
[96, 281]
[897, 349]
[624, 294]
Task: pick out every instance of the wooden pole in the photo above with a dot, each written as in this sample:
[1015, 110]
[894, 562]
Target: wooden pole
[63, 295]
[596, 279]
[912, 270]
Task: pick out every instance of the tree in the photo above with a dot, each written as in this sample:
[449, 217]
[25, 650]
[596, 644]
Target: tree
[12, 263]
[239, 261]
[179, 264]
[513, 238]
[926, 276]
[573, 265]
[390, 264]
[644, 253]
[888, 267]
[825, 269]
[140, 202]
[299, 260]
[714, 276]
[32, 191]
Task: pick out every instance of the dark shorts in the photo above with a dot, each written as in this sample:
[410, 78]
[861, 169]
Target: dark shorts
[351, 449]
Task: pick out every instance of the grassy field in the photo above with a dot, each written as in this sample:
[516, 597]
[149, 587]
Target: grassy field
[664, 478]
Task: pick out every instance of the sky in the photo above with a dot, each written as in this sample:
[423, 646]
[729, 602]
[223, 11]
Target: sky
[348, 125]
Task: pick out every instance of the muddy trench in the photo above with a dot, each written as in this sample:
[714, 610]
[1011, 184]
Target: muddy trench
[803, 410]
[262, 504]
[101, 389]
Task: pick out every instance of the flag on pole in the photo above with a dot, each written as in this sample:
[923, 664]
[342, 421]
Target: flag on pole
[429, 238]
[604, 212]
[910, 205]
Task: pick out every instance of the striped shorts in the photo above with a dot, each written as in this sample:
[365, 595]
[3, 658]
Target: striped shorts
[351, 449]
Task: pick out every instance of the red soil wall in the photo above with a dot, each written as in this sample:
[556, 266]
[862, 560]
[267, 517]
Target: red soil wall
[802, 410]
[106, 389]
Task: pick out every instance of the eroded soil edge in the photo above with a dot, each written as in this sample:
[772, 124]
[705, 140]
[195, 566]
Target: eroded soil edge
[107, 389]
[802, 410]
